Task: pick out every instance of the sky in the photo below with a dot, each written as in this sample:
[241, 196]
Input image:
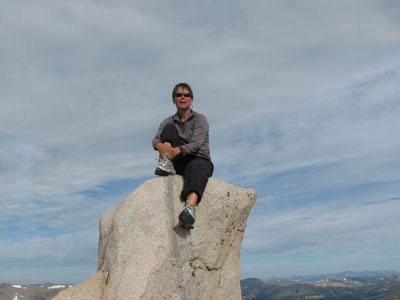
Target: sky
[302, 98]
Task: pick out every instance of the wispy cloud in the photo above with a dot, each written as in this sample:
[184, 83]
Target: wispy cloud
[326, 224]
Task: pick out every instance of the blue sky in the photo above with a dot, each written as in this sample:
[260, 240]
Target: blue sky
[303, 101]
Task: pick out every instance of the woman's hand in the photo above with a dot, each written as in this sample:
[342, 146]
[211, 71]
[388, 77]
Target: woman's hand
[176, 151]
[170, 151]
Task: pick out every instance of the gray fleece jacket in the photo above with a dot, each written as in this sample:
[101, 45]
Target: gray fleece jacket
[193, 133]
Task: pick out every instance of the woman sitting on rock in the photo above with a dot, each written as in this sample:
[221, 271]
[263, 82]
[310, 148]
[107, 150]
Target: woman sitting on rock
[182, 141]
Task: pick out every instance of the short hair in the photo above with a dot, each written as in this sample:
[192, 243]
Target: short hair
[182, 85]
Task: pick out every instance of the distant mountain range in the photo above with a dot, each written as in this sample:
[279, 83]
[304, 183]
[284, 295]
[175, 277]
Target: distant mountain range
[29, 292]
[363, 286]
[346, 274]
[384, 285]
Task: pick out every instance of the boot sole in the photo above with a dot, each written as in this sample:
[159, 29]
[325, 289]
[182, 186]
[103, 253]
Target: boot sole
[186, 226]
[161, 172]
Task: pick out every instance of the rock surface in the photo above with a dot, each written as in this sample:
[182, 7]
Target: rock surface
[145, 254]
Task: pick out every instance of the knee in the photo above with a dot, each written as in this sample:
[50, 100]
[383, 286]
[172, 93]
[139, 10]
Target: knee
[168, 126]
[168, 133]
[168, 130]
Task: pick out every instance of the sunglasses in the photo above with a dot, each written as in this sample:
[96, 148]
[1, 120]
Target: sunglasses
[188, 95]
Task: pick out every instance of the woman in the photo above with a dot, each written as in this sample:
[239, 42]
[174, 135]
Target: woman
[182, 141]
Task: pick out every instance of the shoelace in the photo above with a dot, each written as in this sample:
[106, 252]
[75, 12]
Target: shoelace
[160, 159]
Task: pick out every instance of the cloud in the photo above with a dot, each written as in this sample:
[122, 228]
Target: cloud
[61, 258]
[385, 201]
[47, 251]
[302, 99]
[321, 229]
[348, 131]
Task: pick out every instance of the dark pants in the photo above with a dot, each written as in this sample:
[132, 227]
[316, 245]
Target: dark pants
[195, 170]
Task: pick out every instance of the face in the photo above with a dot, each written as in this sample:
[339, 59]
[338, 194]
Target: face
[182, 102]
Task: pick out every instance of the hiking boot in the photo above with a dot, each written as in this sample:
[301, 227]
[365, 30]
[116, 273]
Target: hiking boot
[165, 166]
[187, 216]
[186, 226]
